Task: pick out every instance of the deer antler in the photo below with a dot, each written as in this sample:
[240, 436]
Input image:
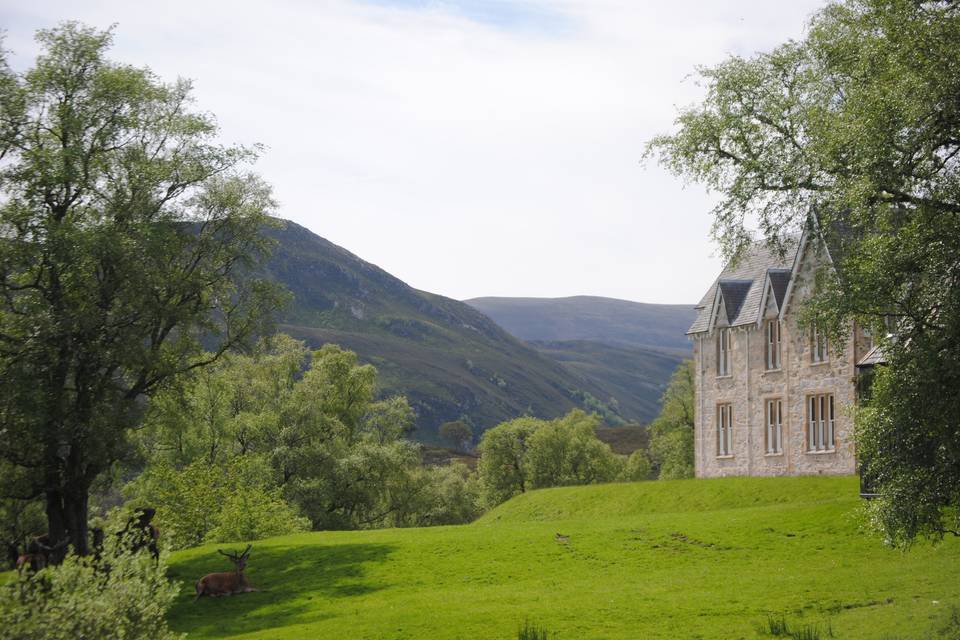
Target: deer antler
[246, 551]
[232, 556]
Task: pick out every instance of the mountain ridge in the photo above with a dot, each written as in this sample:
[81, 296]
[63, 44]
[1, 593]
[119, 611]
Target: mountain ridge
[449, 359]
[598, 318]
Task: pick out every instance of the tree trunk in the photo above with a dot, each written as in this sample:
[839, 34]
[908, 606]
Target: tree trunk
[56, 523]
[75, 508]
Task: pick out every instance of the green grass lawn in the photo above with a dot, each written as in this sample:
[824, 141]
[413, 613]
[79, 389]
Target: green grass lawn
[683, 559]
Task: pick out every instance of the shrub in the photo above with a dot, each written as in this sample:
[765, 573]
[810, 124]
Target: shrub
[252, 513]
[215, 502]
[77, 599]
[567, 451]
[637, 467]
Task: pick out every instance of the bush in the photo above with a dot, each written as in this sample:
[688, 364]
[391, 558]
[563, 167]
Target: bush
[79, 600]
[252, 513]
[567, 451]
[215, 502]
[637, 467]
[451, 496]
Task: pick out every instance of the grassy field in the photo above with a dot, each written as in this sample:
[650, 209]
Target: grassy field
[684, 559]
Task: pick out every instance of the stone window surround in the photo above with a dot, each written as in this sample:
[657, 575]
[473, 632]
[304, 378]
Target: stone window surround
[766, 400]
[724, 429]
[812, 393]
[772, 346]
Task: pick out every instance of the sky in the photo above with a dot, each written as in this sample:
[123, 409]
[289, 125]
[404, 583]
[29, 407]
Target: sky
[470, 148]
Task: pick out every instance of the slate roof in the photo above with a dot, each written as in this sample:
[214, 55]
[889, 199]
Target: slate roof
[742, 285]
[734, 293]
[779, 279]
[873, 357]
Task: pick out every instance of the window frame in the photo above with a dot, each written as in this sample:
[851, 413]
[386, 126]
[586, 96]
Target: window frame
[772, 345]
[821, 430]
[724, 424]
[819, 346]
[773, 431]
[724, 353]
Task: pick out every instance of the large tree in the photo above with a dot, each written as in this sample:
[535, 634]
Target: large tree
[855, 130]
[672, 432]
[124, 226]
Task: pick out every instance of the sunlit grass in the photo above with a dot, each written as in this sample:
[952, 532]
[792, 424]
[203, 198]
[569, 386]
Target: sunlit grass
[686, 559]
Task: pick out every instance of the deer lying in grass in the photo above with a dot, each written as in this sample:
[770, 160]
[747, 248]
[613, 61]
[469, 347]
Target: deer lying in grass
[228, 582]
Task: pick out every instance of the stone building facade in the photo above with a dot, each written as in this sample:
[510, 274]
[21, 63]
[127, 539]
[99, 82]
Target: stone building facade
[771, 398]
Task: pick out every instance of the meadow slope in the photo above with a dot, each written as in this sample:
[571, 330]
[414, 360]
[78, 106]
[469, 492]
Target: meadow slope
[683, 559]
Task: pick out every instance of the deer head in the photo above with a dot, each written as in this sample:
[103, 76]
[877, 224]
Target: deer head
[239, 560]
[226, 583]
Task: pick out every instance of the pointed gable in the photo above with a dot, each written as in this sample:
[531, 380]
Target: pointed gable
[734, 294]
[741, 287]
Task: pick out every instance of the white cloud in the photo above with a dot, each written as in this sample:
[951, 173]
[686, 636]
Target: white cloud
[469, 156]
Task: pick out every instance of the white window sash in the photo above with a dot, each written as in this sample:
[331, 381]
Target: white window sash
[812, 424]
[830, 440]
[821, 431]
[779, 430]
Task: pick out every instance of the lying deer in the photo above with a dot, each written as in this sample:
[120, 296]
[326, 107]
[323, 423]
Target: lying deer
[228, 582]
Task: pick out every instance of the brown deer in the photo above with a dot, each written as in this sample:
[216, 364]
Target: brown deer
[226, 583]
[31, 562]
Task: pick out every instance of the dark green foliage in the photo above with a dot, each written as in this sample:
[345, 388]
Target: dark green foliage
[244, 447]
[126, 226]
[528, 453]
[853, 133]
[457, 433]
[671, 434]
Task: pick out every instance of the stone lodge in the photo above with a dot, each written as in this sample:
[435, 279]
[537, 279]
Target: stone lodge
[772, 399]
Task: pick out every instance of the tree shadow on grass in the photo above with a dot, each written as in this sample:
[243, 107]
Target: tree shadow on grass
[295, 583]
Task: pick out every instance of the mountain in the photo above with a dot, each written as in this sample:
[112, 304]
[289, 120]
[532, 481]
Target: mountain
[635, 376]
[449, 359]
[607, 320]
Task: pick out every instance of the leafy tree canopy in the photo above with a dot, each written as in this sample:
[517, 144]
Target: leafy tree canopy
[671, 434]
[124, 226]
[856, 128]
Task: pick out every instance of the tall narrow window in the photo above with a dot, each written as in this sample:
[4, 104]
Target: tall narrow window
[774, 426]
[773, 344]
[725, 430]
[818, 345]
[723, 352]
[820, 422]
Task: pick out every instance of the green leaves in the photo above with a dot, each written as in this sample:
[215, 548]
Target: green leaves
[856, 128]
[529, 453]
[671, 434]
[129, 237]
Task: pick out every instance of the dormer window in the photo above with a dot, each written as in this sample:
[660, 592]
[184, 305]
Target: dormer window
[818, 345]
[723, 352]
[772, 351]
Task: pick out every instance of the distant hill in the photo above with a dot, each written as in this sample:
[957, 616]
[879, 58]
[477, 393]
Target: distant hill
[449, 359]
[592, 318]
[635, 376]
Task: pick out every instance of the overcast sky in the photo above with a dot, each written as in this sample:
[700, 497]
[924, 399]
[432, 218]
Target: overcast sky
[469, 147]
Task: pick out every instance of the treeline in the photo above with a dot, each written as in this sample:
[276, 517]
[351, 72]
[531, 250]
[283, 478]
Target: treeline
[288, 439]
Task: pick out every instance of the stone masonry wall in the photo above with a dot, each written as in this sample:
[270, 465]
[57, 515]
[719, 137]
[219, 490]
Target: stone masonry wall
[750, 385]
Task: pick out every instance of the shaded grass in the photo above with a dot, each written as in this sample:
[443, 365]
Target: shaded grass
[685, 559]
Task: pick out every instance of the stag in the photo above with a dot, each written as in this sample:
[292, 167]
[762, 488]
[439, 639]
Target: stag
[226, 583]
